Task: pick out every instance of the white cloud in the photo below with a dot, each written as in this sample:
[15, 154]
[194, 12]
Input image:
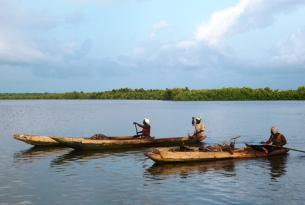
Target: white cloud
[16, 50]
[160, 25]
[19, 43]
[157, 27]
[242, 17]
[220, 23]
[263, 13]
[291, 51]
[207, 48]
[186, 44]
[138, 52]
[15, 47]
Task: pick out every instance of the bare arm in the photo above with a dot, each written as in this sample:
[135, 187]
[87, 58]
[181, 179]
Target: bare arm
[138, 124]
[284, 141]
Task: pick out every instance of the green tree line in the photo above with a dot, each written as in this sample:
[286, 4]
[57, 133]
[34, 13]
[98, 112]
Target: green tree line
[175, 94]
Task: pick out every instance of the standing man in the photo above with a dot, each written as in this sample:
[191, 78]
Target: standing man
[145, 132]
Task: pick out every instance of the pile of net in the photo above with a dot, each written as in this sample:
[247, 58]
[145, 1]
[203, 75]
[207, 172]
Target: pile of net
[218, 148]
[99, 137]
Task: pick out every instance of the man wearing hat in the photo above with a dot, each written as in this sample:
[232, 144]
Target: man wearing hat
[199, 127]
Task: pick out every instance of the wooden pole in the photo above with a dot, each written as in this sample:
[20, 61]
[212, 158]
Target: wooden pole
[293, 149]
[135, 125]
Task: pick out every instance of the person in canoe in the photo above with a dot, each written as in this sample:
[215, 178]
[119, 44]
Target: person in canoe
[145, 132]
[199, 127]
[276, 139]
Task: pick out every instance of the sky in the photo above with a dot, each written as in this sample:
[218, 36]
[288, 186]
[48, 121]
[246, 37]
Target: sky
[97, 45]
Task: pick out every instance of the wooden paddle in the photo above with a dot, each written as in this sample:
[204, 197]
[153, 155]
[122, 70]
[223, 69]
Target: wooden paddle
[293, 149]
[234, 138]
[135, 125]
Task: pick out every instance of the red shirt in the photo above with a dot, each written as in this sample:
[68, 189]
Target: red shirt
[146, 130]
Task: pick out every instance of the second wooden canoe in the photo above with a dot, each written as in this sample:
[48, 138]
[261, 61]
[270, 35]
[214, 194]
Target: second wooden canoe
[125, 142]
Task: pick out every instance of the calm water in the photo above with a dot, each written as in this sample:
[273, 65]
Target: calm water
[65, 176]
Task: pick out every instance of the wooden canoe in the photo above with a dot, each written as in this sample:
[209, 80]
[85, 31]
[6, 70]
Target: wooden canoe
[170, 155]
[124, 142]
[109, 143]
[36, 140]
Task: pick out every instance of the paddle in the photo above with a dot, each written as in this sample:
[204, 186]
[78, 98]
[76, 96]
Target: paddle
[288, 148]
[135, 125]
[234, 138]
[293, 149]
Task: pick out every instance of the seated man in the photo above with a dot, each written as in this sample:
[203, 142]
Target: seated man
[199, 127]
[145, 132]
[276, 139]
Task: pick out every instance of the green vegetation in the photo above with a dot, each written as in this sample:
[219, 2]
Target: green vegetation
[175, 94]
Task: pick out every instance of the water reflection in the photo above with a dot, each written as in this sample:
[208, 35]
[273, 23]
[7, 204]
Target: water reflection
[277, 166]
[226, 168]
[81, 156]
[34, 153]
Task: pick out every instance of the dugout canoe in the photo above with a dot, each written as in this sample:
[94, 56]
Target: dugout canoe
[125, 142]
[36, 140]
[172, 155]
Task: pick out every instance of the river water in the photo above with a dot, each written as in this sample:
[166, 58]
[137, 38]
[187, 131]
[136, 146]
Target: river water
[64, 176]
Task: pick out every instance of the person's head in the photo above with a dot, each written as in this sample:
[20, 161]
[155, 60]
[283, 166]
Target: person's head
[198, 120]
[146, 121]
[274, 130]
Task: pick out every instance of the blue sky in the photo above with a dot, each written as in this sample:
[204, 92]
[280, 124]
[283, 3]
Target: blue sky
[93, 45]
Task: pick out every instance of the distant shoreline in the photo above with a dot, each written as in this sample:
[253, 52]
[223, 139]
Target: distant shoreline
[175, 94]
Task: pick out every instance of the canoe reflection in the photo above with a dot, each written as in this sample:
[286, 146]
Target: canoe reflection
[33, 153]
[81, 156]
[277, 166]
[225, 166]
